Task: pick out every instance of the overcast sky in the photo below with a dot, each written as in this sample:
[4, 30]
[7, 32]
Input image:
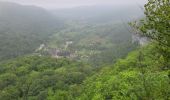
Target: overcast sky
[53, 4]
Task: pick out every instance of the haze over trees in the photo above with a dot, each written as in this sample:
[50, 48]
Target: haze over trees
[23, 30]
[85, 53]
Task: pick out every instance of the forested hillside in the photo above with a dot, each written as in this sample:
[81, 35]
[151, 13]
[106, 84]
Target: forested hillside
[143, 75]
[73, 55]
[32, 77]
[24, 28]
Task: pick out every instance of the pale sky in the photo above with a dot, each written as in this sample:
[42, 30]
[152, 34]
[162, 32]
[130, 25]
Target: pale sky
[53, 4]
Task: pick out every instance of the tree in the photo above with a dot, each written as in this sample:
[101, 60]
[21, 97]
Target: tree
[156, 25]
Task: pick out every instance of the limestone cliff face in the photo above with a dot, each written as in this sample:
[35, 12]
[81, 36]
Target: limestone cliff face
[136, 38]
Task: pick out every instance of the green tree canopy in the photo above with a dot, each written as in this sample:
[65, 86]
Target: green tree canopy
[157, 22]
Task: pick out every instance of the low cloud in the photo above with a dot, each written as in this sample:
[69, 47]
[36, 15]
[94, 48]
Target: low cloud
[52, 4]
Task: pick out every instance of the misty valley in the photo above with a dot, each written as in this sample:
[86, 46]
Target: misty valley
[96, 52]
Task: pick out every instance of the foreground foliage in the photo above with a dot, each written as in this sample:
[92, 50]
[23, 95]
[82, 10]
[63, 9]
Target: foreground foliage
[143, 75]
[156, 24]
[31, 77]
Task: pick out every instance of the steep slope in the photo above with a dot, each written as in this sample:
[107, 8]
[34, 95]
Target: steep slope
[143, 75]
[23, 28]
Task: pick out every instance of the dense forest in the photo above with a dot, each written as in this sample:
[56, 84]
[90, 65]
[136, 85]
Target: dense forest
[70, 55]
